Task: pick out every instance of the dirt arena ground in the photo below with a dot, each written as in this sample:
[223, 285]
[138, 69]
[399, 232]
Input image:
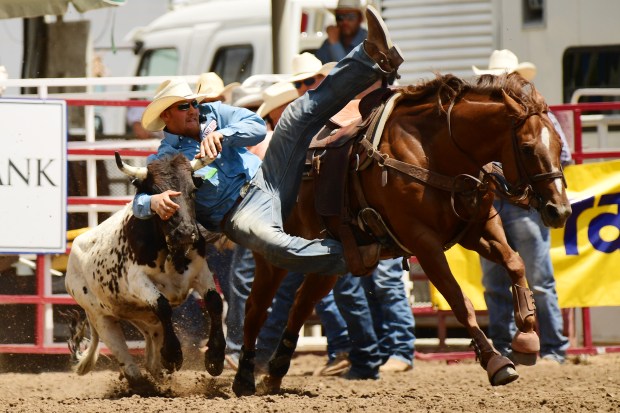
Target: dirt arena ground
[582, 385]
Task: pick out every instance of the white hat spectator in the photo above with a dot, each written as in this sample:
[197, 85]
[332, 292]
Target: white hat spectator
[347, 5]
[505, 61]
[275, 96]
[213, 86]
[306, 65]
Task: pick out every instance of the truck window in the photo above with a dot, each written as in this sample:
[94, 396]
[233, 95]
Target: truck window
[591, 67]
[233, 63]
[158, 62]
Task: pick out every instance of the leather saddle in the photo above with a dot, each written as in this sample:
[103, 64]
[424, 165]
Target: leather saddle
[329, 162]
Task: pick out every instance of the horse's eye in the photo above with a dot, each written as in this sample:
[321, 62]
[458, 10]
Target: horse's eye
[527, 150]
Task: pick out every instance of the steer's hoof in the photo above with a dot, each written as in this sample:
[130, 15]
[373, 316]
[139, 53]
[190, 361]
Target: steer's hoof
[172, 355]
[214, 357]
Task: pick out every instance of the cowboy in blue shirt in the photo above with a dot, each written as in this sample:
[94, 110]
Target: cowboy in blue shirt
[210, 129]
[256, 218]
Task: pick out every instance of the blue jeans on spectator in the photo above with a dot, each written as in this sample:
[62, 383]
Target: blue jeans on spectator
[351, 300]
[391, 312]
[257, 222]
[241, 277]
[531, 239]
[334, 325]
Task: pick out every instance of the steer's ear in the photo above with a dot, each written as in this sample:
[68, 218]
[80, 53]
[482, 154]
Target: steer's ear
[197, 181]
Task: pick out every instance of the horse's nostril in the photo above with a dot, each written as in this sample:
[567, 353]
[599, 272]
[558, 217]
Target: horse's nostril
[552, 211]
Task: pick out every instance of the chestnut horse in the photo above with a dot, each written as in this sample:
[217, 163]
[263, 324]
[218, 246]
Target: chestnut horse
[428, 181]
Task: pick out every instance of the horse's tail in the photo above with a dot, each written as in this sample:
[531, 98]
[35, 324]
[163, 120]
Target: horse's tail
[84, 351]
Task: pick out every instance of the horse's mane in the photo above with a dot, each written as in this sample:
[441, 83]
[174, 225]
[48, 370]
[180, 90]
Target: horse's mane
[445, 89]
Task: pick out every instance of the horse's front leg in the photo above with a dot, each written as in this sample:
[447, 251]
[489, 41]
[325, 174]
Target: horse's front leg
[500, 370]
[494, 246]
[312, 290]
[266, 282]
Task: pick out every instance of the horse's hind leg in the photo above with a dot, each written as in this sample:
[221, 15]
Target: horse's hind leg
[494, 247]
[266, 282]
[500, 369]
[312, 290]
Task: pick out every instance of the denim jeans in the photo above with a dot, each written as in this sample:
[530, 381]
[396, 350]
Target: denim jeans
[531, 239]
[257, 222]
[271, 332]
[351, 300]
[391, 313]
[240, 278]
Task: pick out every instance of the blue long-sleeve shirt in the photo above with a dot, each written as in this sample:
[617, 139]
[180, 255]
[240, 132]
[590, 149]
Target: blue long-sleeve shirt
[335, 52]
[233, 167]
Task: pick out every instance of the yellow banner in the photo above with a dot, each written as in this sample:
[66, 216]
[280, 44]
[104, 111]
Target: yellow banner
[585, 253]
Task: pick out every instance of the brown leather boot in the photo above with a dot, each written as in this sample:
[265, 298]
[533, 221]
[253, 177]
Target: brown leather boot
[378, 44]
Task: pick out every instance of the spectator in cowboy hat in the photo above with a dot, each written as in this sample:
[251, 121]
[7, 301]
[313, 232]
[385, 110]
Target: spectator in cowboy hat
[531, 239]
[346, 34]
[505, 61]
[212, 85]
[275, 99]
[308, 72]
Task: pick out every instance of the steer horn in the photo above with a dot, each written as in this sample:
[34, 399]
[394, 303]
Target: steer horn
[131, 171]
[200, 162]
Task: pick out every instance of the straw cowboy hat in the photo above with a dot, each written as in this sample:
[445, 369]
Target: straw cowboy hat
[213, 85]
[168, 93]
[306, 65]
[275, 96]
[347, 5]
[505, 61]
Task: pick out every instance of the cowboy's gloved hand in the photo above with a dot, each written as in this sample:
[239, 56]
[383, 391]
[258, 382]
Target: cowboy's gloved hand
[162, 205]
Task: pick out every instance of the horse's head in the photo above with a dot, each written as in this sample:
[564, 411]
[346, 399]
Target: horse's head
[532, 158]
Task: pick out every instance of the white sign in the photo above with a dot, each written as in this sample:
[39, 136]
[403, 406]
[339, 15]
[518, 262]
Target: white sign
[33, 176]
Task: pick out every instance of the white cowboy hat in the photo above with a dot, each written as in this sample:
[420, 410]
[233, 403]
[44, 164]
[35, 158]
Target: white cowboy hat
[505, 61]
[347, 5]
[213, 85]
[250, 94]
[168, 93]
[306, 65]
[275, 96]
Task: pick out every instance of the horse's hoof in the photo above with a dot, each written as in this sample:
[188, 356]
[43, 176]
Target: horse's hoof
[501, 370]
[214, 357]
[525, 359]
[504, 376]
[269, 385]
[242, 386]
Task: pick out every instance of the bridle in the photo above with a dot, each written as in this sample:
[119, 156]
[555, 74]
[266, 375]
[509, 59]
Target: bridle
[523, 192]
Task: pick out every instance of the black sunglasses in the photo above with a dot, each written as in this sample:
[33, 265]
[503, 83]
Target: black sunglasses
[185, 105]
[308, 82]
[346, 16]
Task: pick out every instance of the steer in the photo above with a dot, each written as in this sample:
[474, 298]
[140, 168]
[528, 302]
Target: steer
[138, 270]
